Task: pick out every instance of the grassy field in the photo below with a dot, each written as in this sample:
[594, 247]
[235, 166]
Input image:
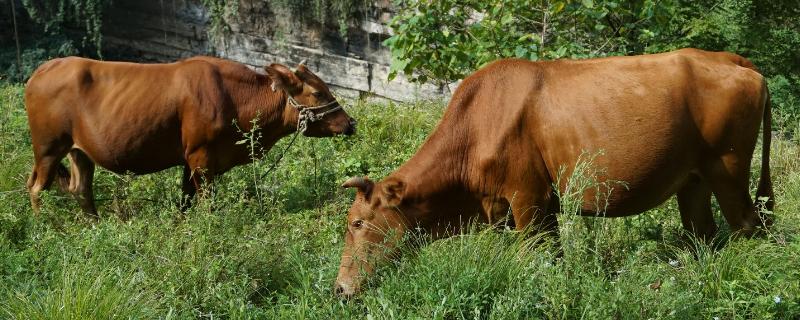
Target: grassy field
[269, 248]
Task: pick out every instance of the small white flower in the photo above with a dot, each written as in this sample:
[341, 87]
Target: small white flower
[777, 299]
[716, 318]
[674, 263]
[671, 278]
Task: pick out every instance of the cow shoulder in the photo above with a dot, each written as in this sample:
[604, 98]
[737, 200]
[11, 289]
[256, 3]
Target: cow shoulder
[204, 100]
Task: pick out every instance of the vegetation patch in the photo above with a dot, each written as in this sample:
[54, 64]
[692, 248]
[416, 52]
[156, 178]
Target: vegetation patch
[270, 247]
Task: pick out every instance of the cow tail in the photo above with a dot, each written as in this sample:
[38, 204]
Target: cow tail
[765, 184]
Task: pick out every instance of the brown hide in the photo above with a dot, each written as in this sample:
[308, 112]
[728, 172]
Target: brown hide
[683, 122]
[143, 118]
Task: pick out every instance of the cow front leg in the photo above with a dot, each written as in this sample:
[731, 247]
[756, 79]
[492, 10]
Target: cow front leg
[533, 215]
[188, 189]
[496, 212]
[200, 172]
[536, 217]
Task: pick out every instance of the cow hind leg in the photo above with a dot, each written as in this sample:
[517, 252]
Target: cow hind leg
[42, 176]
[729, 179]
[81, 183]
[694, 203]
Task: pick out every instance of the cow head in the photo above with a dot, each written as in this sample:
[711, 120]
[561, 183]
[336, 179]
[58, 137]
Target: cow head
[310, 101]
[376, 223]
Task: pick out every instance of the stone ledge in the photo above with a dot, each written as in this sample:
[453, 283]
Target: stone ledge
[146, 30]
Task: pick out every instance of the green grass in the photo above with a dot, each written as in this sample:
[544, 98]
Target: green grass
[269, 248]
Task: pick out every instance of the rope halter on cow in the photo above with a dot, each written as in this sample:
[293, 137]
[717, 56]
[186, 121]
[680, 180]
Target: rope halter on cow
[307, 114]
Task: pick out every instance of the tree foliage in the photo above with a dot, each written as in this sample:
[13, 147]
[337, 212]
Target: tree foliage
[766, 32]
[218, 12]
[55, 15]
[445, 40]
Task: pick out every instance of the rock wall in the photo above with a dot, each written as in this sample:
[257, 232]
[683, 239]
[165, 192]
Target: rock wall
[355, 65]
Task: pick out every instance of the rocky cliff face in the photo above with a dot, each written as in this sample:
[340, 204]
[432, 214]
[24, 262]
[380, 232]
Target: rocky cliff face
[356, 64]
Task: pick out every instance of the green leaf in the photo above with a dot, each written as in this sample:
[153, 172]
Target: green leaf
[390, 41]
[558, 7]
[397, 65]
[506, 19]
[588, 3]
[520, 52]
[561, 51]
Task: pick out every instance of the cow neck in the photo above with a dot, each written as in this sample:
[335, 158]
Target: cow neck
[274, 118]
[435, 176]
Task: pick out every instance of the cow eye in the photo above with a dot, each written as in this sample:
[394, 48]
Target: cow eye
[317, 94]
[358, 224]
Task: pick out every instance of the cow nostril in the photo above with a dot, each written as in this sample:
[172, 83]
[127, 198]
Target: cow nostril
[351, 129]
[339, 290]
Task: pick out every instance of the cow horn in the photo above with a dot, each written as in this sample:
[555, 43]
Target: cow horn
[303, 62]
[361, 183]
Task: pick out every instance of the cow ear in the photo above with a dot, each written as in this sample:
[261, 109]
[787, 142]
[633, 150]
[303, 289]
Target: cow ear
[283, 79]
[301, 71]
[362, 184]
[393, 191]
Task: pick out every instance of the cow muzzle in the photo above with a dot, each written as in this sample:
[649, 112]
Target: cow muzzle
[344, 290]
[351, 127]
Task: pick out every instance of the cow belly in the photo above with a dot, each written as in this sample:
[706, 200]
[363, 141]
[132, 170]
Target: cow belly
[640, 154]
[137, 154]
[613, 198]
[632, 170]
[138, 163]
[628, 184]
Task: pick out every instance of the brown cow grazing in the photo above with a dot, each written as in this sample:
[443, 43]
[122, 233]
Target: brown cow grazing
[143, 118]
[682, 122]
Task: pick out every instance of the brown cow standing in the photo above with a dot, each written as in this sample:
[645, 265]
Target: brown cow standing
[143, 118]
[683, 122]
